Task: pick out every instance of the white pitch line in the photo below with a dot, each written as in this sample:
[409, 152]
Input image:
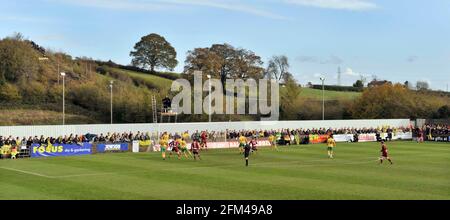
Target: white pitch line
[81, 175]
[54, 177]
[26, 172]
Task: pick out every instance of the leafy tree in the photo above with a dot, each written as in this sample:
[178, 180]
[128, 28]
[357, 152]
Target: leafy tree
[289, 99]
[278, 67]
[18, 60]
[358, 84]
[224, 61]
[384, 101]
[153, 51]
[444, 112]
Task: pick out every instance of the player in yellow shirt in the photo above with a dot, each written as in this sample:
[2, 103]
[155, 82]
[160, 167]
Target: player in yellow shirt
[164, 144]
[242, 143]
[184, 149]
[165, 137]
[185, 135]
[331, 143]
[273, 142]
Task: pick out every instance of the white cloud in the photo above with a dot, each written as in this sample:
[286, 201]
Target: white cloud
[157, 5]
[348, 71]
[133, 5]
[353, 5]
[317, 75]
[243, 6]
[24, 19]
[229, 5]
[312, 59]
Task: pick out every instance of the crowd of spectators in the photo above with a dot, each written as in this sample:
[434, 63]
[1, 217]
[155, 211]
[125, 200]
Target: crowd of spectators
[433, 132]
[231, 134]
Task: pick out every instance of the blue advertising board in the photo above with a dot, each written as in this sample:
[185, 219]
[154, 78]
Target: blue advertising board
[112, 147]
[56, 150]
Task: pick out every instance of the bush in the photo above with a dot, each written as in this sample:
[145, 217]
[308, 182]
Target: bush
[33, 92]
[10, 93]
[395, 101]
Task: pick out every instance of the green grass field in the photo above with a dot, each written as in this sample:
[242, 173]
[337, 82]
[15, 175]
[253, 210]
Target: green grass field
[297, 172]
[328, 95]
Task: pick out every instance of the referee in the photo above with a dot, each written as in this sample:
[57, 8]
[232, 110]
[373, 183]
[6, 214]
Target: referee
[247, 149]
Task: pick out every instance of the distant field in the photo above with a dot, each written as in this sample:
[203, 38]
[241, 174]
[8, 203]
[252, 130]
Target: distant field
[420, 171]
[329, 95]
[40, 117]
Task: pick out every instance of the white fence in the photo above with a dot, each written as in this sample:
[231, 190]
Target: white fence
[57, 130]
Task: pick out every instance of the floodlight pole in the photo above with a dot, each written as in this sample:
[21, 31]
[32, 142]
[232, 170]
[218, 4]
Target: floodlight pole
[63, 95]
[111, 101]
[323, 97]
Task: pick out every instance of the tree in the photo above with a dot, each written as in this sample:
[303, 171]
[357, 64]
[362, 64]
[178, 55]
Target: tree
[224, 61]
[278, 66]
[358, 84]
[363, 78]
[406, 84]
[289, 99]
[153, 51]
[444, 112]
[379, 102]
[422, 85]
[288, 77]
[18, 59]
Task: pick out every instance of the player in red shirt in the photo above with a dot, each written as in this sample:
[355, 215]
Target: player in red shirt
[253, 144]
[419, 135]
[174, 145]
[204, 137]
[384, 153]
[195, 148]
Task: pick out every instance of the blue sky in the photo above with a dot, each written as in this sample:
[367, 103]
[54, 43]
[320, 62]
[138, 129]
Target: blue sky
[397, 40]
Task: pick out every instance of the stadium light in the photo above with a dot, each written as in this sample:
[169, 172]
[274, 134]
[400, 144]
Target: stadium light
[63, 95]
[111, 87]
[323, 97]
[209, 110]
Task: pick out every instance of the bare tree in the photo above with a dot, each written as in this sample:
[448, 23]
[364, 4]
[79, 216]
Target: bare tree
[363, 79]
[278, 67]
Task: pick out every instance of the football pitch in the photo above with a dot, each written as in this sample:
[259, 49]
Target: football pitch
[420, 171]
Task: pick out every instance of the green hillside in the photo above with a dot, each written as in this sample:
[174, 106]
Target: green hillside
[328, 95]
[138, 78]
[41, 117]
